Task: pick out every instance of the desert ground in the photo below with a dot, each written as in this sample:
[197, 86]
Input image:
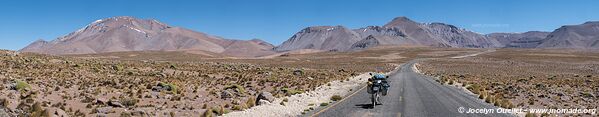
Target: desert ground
[525, 78]
[176, 83]
[184, 84]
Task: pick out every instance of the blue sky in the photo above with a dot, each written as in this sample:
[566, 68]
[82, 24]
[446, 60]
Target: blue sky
[24, 21]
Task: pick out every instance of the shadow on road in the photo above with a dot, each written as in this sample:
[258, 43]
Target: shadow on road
[364, 106]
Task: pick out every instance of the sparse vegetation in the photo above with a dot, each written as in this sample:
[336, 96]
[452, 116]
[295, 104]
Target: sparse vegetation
[524, 78]
[128, 102]
[251, 102]
[173, 88]
[21, 85]
[336, 98]
[291, 91]
[112, 82]
[237, 107]
[208, 113]
[237, 88]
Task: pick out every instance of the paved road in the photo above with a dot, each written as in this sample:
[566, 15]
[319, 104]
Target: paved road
[411, 95]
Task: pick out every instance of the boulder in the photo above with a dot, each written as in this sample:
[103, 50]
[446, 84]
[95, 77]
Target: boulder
[160, 87]
[12, 86]
[226, 94]
[3, 113]
[157, 88]
[298, 72]
[103, 110]
[139, 113]
[115, 103]
[266, 96]
[59, 112]
[101, 101]
[262, 102]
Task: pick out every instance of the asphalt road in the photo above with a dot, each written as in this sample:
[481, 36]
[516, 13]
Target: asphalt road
[411, 95]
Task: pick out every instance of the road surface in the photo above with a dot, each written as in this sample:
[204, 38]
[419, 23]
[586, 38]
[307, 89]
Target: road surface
[411, 95]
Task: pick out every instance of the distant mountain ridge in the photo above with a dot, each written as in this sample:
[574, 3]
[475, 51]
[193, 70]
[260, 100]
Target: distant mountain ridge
[530, 39]
[402, 31]
[583, 36]
[117, 34]
[126, 33]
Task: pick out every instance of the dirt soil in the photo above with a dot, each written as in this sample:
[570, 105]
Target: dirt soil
[177, 83]
[525, 78]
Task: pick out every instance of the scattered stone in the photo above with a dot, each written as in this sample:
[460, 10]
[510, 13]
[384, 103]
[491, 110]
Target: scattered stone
[226, 94]
[115, 103]
[59, 112]
[139, 113]
[100, 101]
[298, 72]
[266, 96]
[104, 110]
[160, 87]
[262, 102]
[3, 113]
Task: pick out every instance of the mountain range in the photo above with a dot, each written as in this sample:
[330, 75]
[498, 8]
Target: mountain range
[403, 31]
[125, 33]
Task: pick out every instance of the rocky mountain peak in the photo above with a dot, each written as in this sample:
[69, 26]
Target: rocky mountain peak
[592, 23]
[143, 26]
[126, 33]
[320, 28]
[400, 21]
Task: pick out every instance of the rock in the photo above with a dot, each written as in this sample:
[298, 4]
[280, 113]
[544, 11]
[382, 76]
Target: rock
[262, 102]
[265, 96]
[104, 110]
[588, 80]
[298, 72]
[587, 95]
[235, 102]
[565, 98]
[139, 113]
[160, 87]
[28, 94]
[157, 88]
[101, 101]
[3, 112]
[53, 111]
[168, 96]
[226, 94]
[115, 103]
[12, 86]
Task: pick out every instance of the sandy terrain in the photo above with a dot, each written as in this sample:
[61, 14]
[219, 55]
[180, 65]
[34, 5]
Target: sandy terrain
[296, 104]
[182, 84]
[521, 78]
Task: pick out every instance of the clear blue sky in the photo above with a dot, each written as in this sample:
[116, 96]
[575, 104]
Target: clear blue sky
[24, 21]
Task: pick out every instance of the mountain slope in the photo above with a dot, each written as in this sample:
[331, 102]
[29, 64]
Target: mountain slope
[529, 39]
[321, 38]
[253, 48]
[125, 33]
[441, 35]
[583, 36]
[400, 31]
